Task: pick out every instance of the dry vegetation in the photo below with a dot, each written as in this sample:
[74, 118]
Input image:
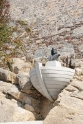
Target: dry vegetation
[9, 48]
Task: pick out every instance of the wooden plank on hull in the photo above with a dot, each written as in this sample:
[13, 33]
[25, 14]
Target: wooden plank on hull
[56, 72]
[33, 73]
[56, 79]
[54, 94]
[34, 83]
[34, 80]
[55, 89]
[58, 69]
[34, 76]
[38, 87]
[57, 75]
[32, 70]
[54, 82]
[55, 86]
[41, 91]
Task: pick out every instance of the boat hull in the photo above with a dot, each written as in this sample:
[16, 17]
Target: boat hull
[50, 81]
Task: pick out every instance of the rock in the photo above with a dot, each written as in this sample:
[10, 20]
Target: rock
[28, 101]
[29, 107]
[39, 41]
[45, 106]
[20, 65]
[68, 107]
[80, 47]
[4, 86]
[77, 63]
[66, 60]
[78, 71]
[77, 84]
[36, 105]
[19, 96]
[8, 76]
[63, 30]
[24, 81]
[77, 32]
[14, 92]
[10, 111]
[80, 77]
[67, 49]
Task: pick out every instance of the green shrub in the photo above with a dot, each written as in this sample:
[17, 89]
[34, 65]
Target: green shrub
[5, 33]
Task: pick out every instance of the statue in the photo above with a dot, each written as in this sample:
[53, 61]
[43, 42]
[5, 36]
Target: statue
[54, 55]
[53, 51]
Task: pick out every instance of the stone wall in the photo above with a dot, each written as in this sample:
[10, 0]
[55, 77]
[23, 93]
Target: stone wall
[59, 21]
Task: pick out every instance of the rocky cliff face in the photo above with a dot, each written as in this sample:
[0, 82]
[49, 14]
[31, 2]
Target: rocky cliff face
[37, 26]
[59, 21]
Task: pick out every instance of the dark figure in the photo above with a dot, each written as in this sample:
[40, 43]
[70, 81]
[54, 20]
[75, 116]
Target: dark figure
[53, 51]
[54, 55]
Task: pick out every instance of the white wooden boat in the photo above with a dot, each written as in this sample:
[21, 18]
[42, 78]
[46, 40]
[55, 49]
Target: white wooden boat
[50, 79]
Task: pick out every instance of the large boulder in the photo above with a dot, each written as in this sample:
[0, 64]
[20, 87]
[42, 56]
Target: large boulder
[4, 86]
[24, 81]
[29, 102]
[77, 63]
[10, 111]
[19, 65]
[8, 76]
[78, 71]
[14, 92]
[68, 107]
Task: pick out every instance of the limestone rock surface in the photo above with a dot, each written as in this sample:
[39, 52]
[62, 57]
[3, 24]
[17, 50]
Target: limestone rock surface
[13, 91]
[77, 63]
[24, 81]
[10, 111]
[8, 76]
[68, 107]
[20, 65]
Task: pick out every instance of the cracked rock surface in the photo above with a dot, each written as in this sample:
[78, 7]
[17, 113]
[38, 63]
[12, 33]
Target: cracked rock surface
[68, 107]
